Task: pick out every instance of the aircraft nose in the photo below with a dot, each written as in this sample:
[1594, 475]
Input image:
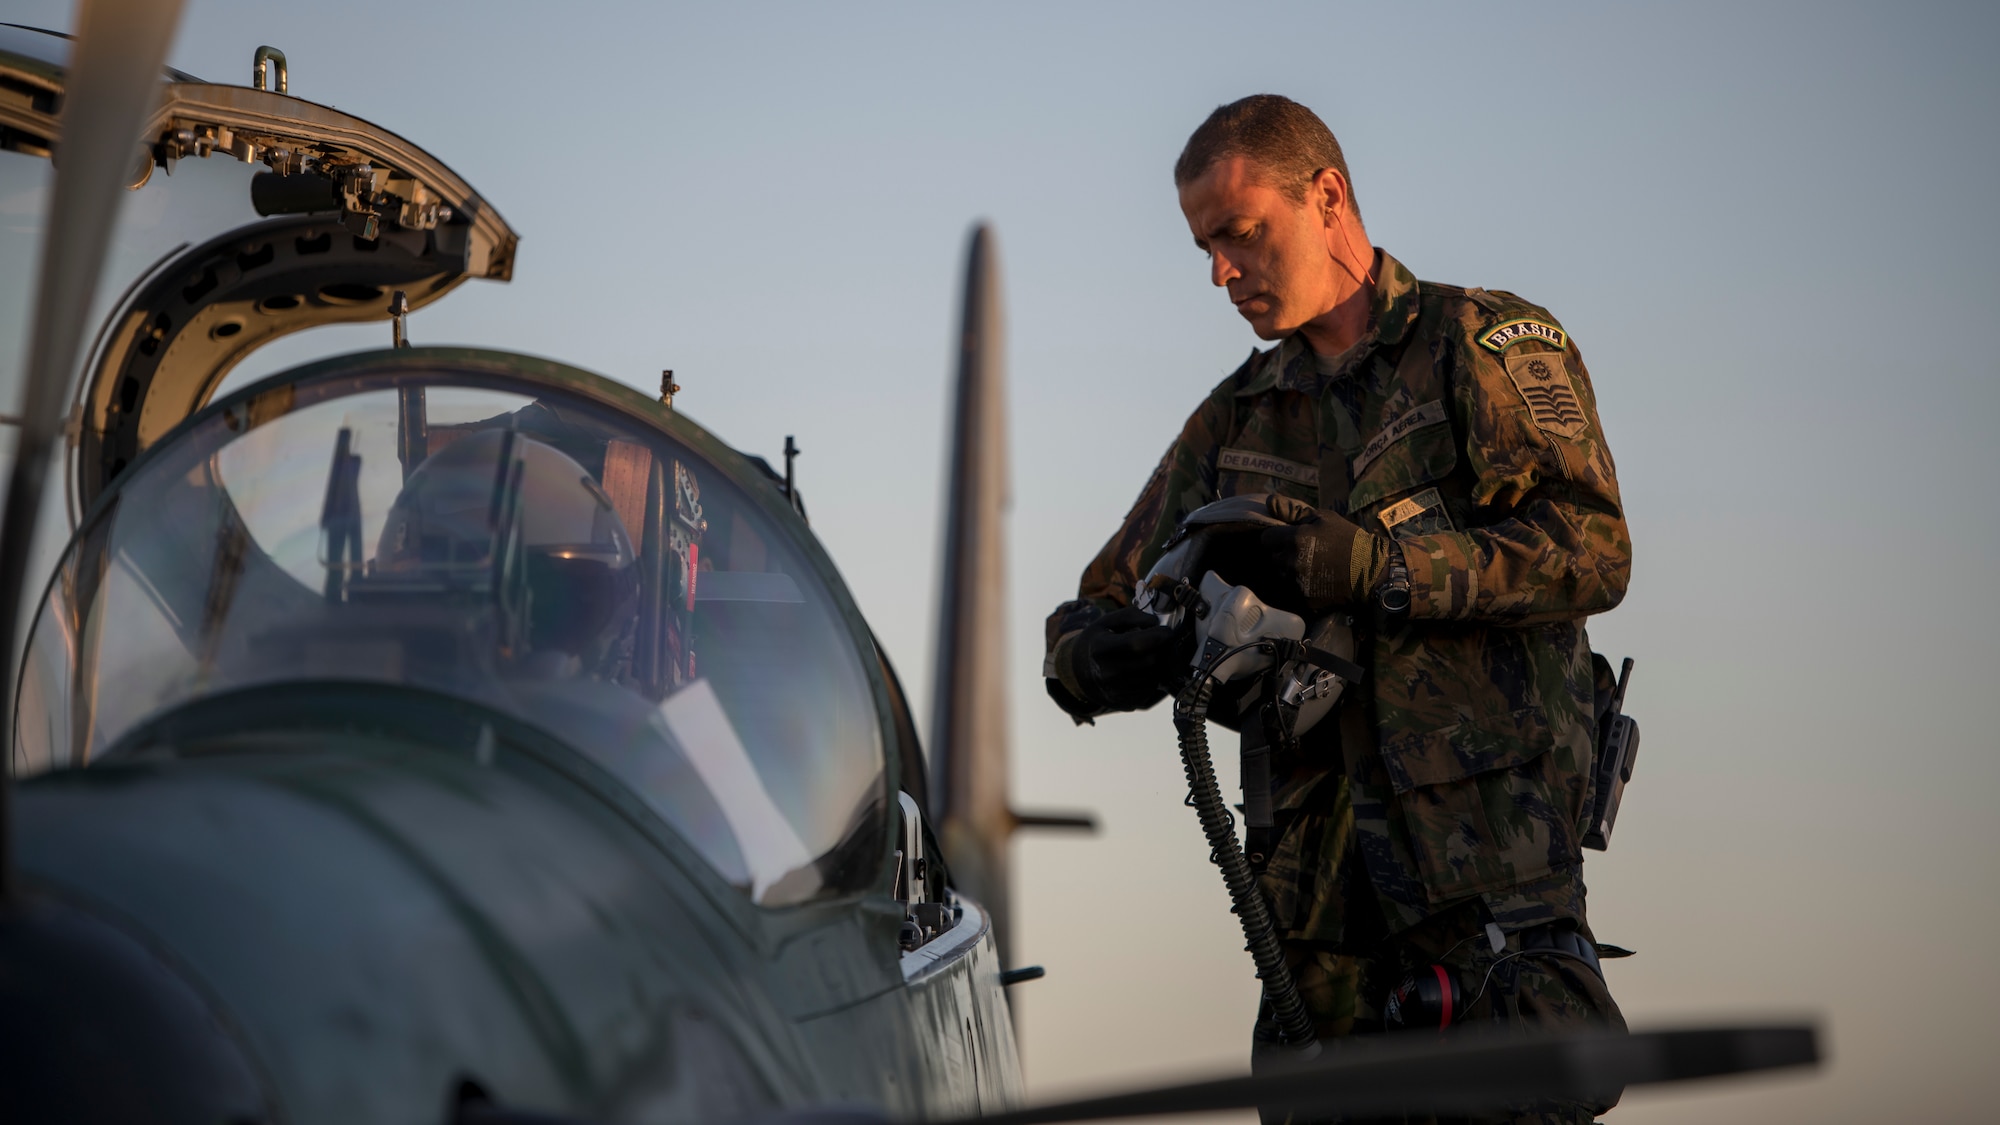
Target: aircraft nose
[96, 1027]
[386, 915]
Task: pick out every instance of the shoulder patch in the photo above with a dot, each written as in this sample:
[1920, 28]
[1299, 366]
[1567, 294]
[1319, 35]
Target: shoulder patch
[1247, 461]
[1499, 337]
[1544, 382]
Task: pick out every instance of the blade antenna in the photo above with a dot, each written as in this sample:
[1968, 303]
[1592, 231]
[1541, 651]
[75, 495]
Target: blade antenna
[112, 83]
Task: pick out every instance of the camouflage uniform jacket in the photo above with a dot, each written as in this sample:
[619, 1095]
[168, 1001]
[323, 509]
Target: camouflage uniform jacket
[1462, 424]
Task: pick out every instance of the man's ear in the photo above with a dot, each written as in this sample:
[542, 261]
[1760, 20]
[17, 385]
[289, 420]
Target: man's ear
[1328, 195]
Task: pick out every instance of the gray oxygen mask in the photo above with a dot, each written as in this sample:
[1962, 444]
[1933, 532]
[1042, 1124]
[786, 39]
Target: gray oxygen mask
[1230, 617]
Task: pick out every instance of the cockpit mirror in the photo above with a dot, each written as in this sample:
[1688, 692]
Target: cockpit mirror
[911, 866]
[928, 910]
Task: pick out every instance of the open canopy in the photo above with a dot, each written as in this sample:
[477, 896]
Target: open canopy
[253, 215]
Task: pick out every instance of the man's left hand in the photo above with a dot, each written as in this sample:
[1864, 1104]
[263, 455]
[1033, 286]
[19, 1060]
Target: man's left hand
[1320, 559]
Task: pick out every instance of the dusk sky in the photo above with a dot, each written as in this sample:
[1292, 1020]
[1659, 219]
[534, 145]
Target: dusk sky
[1769, 228]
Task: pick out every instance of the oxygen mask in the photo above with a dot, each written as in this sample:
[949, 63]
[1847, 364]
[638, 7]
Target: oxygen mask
[1239, 637]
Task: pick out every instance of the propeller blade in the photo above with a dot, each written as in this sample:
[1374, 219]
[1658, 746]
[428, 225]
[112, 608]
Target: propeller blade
[1468, 1073]
[109, 88]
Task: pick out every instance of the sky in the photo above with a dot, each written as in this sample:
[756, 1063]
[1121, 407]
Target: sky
[1767, 227]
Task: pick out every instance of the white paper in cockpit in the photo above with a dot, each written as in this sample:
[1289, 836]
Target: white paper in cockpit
[694, 719]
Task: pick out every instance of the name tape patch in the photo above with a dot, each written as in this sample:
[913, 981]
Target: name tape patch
[1422, 514]
[1543, 380]
[1244, 461]
[1406, 510]
[1408, 422]
[1501, 336]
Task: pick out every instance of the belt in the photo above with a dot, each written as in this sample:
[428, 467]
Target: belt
[1559, 938]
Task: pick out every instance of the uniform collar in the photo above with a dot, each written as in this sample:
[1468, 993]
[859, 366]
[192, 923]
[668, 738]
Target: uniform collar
[1290, 366]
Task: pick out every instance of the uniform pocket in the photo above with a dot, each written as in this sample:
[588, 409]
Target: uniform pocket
[1456, 700]
[1484, 738]
[1301, 882]
[1426, 454]
[1232, 483]
[1463, 749]
[1488, 832]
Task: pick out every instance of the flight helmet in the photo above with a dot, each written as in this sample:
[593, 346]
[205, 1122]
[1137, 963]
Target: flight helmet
[500, 513]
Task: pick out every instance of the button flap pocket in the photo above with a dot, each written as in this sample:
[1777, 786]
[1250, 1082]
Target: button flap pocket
[1455, 702]
[1467, 748]
[1488, 832]
[1415, 449]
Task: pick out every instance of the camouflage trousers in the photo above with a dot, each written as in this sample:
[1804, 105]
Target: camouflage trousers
[1517, 987]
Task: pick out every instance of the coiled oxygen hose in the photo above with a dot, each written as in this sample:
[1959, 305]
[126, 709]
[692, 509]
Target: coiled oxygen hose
[1191, 721]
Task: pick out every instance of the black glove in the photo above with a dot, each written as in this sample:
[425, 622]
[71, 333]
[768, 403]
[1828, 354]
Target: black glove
[1321, 560]
[1123, 661]
[1315, 561]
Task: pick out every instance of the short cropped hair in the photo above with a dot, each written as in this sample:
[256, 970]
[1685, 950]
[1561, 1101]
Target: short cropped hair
[1288, 140]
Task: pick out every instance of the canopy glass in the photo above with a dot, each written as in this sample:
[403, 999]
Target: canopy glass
[509, 543]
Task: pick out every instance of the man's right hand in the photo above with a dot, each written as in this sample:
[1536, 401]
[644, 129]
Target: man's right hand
[1123, 661]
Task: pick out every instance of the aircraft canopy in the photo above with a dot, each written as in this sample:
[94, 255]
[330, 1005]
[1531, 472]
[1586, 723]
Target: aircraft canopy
[510, 543]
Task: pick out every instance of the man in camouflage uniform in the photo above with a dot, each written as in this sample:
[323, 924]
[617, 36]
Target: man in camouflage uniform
[1435, 444]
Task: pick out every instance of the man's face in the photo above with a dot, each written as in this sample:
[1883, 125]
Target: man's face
[1269, 250]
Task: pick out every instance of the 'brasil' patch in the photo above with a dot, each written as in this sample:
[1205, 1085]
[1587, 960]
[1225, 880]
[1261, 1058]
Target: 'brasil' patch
[1500, 336]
